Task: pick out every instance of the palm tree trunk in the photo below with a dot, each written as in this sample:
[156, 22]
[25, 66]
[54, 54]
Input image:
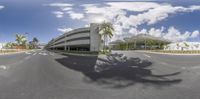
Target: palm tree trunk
[145, 45]
[104, 45]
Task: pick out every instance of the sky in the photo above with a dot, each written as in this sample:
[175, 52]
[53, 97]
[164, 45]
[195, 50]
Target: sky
[46, 19]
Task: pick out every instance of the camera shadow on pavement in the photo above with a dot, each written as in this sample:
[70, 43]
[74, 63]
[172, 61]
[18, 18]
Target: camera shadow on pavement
[117, 71]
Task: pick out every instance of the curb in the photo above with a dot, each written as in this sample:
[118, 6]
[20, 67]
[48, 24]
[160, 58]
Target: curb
[14, 52]
[74, 54]
[169, 53]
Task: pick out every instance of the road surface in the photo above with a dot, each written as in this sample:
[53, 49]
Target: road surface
[46, 75]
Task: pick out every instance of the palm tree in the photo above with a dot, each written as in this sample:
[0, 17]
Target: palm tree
[35, 42]
[20, 39]
[106, 29]
[24, 42]
[30, 45]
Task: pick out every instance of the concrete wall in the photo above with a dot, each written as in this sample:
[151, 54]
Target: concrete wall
[95, 40]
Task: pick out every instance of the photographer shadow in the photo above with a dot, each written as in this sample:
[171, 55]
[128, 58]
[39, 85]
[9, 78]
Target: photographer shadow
[117, 71]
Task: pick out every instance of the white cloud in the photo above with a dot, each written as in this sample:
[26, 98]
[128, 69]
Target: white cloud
[156, 32]
[63, 30]
[133, 6]
[133, 31]
[195, 34]
[75, 15]
[157, 14]
[62, 8]
[66, 8]
[92, 8]
[60, 5]
[140, 13]
[143, 31]
[118, 29]
[171, 33]
[174, 34]
[58, 14]
[108, 13]
[1, 7]
[143, 13]
[87, 25]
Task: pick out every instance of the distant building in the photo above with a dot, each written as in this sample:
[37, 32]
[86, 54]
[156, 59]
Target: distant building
[183, 46]
[1, 45]
[81, 39]
[41, 45]
[139, 42]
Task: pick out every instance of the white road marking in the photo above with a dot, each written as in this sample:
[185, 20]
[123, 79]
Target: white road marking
[191, 68]
[195, 67]
[21, 61]
[34, 54]
[3, 67]
[43, 53]
[183, 68]
[28, 53]
[27, 58]
[51, 54]
[7, 66]
[163, 63]
[147, 55]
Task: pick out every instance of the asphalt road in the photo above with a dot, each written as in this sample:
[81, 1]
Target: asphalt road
[129, 75]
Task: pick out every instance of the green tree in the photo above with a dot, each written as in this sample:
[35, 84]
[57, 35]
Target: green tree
[20, 39]
[35, 40]
[30, 45]
[9, 45]
[34, 43]
[106, 29]
[150, 43]
[186, 44]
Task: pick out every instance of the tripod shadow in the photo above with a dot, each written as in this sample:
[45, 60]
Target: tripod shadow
[116, 70]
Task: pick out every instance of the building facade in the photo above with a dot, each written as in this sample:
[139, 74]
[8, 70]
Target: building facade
[139, 42]
[81, 39]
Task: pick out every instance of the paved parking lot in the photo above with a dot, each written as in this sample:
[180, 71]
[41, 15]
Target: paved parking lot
[122, 75]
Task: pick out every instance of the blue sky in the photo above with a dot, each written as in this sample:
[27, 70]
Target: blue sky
[46, 19]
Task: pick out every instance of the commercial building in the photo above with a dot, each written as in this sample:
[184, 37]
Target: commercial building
[81, 39]
[139, 42]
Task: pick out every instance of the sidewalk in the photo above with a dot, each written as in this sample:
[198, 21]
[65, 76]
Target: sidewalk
[8, 53]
